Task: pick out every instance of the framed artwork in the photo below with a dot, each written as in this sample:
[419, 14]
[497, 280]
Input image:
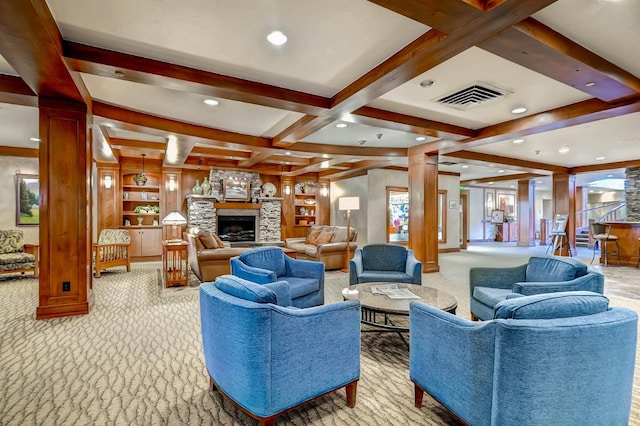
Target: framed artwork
[236, 189]
[27, 200]
[559, 224]
[507, 202]
[497, 217]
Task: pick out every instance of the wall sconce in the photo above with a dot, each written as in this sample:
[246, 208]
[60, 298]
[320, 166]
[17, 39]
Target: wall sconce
[108, 182]
[324, 191]
[172, 184]
[287, 189]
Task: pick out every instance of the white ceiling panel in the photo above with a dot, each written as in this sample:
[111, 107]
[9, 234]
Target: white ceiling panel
[331, 43]
[228, 115]
[18, 124]
[526, 88]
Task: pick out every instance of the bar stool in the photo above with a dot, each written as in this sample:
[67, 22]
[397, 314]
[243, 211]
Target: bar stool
[601, 232]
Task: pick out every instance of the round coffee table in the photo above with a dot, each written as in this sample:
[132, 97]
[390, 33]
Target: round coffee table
[378, 309]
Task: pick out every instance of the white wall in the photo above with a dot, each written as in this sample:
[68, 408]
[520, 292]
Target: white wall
[451, 184]
[370, 220]
[354, 187]
[9, 167]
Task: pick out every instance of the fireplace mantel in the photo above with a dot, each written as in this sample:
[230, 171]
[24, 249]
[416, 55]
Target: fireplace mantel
[249, 206]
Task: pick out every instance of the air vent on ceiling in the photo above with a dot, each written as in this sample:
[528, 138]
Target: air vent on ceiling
[447, 163]
[472, 96]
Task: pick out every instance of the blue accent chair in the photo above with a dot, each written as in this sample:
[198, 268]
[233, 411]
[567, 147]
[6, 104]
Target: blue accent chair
[269, 264]
[542, 274]
[550, 359]
[384, 262]
[268, 357]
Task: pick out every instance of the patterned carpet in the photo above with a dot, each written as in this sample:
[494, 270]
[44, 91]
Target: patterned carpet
[136, 359]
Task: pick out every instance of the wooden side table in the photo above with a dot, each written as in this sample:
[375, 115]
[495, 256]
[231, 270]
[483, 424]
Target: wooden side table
[175, 263]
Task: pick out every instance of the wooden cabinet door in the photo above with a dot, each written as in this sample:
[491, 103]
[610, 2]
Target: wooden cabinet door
[151, 242]
[146, 242]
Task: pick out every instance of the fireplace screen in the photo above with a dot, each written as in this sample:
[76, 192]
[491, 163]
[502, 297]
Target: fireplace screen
[237, 228]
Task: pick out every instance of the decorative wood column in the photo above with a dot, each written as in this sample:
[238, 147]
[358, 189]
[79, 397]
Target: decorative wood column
[65, 210]
[564, 202]
[526, 213]
[287, 219]
[423, 208]
[172, 200]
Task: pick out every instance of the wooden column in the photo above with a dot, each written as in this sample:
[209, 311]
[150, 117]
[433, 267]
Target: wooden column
[582, 202]
[526, 213]
[288, 211]
[564, 202]
[65, 210]
[423, 208]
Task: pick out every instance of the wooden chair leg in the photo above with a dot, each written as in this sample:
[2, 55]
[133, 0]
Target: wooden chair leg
[474, 318]
[419, 394]
[212, 385]
[351, 389]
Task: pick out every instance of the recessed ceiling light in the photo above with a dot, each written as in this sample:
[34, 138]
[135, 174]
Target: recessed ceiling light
[590, 84]
[564, 149]
[34, 139]
[427, 83]
[277, 38]
[465, 166]
[518, 110]
[518, 141]
[491, 183]
[118, 74]
[512, 186]
[211, 102]
[538, 181]
[420, 138]
[500, 171]
[288, 153]
[600, 158]
[609, 175]
[341, 125]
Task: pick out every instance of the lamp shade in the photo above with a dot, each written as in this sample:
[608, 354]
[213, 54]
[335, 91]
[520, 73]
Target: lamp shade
[349, 203]
[174, 218]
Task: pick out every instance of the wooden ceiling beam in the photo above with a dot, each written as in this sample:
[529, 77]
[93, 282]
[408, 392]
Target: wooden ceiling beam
[108, 63]
[407, 123]
[513, 163]
[563, 117]
[537, 47]
[31, 43]
[13, 90]
[355, 168]
[502, 178]
[14, 151]
[210, 151]
[430, 49]
[604, 166]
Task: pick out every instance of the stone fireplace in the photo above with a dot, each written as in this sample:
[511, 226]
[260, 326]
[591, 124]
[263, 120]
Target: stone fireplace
[235, 221]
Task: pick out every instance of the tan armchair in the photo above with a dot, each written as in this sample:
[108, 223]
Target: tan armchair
[112, 249]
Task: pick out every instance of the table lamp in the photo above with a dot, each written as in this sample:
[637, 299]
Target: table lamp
[174, 219]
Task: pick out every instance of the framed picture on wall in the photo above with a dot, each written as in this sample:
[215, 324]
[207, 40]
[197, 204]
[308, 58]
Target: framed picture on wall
[236, 189]
[27, 200]
[507, 202]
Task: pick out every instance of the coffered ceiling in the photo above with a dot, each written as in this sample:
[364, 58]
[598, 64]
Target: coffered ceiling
[379, 66]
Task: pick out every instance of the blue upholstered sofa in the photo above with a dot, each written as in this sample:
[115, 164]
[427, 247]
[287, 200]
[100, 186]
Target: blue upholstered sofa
[542, 274]
[269, 264]
[384, 262]
[550, 359]
[269, 357]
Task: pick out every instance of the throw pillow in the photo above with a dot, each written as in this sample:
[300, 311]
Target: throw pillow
[324, 238]
[218, 241]
[198, 243]
[244, 289]
[312, 237]
[207, 240]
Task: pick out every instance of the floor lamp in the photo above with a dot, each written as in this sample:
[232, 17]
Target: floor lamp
[348, 204]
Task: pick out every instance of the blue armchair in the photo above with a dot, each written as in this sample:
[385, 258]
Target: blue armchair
[268, 357]
[542, 274]
[384, 262]
[550, 359]
[269, 264]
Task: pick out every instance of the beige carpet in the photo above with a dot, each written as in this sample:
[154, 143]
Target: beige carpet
[136, 359]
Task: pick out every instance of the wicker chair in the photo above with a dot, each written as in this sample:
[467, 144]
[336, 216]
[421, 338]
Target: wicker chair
[112, 249]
